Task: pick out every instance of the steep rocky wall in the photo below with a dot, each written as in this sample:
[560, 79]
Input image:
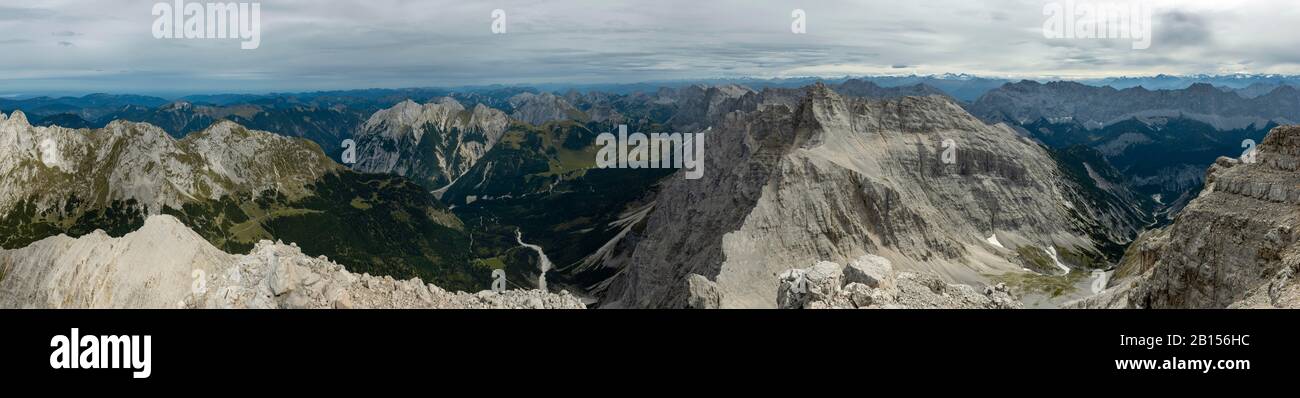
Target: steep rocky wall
[1235, 245]
[835, 178]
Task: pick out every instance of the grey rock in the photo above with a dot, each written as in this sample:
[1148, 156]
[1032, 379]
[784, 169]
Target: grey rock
[1234, 246]
[155, 267]
[393, 140]
[537, 109]
[703, 293]
[912, 290]
[870, 270]
[796, 179]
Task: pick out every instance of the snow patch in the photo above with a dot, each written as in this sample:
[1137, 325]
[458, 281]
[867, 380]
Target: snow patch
[993, 240]
[50, 154]
[1099, 280]
[1051, 252]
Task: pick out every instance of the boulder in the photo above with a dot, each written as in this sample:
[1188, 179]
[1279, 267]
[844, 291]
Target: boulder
[871, 270]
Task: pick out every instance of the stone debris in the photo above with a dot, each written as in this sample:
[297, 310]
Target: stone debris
[164, 264]
[871, 282]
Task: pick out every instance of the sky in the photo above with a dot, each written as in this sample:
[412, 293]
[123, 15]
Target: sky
[109, 45]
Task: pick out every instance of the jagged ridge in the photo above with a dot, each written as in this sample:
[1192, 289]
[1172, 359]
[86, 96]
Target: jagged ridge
[166, 265]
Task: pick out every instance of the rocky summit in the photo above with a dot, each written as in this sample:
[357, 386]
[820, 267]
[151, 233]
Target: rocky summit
[166, 265]
[833, 178]
[46, 167]
[433, 143]
[1234, 246]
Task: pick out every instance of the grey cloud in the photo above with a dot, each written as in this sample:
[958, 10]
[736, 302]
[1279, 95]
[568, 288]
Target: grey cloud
[309, 44]
[23, 14]
[1181, 29]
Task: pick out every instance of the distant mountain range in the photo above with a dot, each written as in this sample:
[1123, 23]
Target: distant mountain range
[1160, 140]
[1096, 107]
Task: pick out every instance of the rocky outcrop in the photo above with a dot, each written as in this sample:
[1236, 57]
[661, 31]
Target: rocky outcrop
[871, 282]
[166, 265]
[703, 293]
[434, 143]
[833, 178]
[1235, 245]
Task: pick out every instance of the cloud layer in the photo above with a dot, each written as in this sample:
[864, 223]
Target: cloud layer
[309, 45]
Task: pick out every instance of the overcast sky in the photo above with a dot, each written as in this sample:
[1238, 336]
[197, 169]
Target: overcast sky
[67, 45]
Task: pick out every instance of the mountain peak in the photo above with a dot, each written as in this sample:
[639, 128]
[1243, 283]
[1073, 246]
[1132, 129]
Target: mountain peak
[537, 109]
[1283, 139]
[17, 117]
[1285, 89]
[393, 140]
[820, 90]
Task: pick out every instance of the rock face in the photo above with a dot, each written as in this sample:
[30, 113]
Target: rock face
[867, 89]
[434, 143]
[1235, 245]
[686, 109]
[537, 109]
[45, 167]
[166, 265]
[833, 178]
[703, 293]
[828, 285]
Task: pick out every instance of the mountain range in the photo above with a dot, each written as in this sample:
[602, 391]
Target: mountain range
[1039, 190]
[232, 185]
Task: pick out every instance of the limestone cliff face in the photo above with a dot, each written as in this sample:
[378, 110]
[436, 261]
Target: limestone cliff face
[537, 109]
[49, 166]
[834, 178]
[432, 143]
[166, 265]
[1235, 245]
